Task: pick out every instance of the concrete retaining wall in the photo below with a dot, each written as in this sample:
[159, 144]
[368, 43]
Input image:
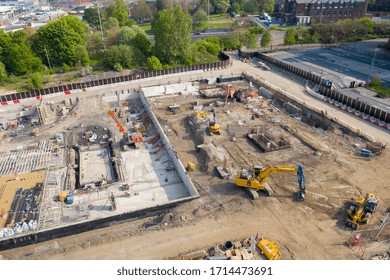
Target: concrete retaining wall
[171, 151]
[45, 235]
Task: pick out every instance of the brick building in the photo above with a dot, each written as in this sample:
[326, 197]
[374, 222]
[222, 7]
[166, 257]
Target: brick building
[322, 11]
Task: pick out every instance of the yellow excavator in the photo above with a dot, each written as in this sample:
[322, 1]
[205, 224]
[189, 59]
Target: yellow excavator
[255, 179]
[200, 114]
[269, 248]
[361, 210]
[214, 127]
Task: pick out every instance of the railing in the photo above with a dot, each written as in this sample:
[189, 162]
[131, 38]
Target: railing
[353, 105]
[15, 97]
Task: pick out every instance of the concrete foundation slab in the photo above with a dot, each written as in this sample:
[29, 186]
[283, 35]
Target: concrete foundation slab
[94, 166]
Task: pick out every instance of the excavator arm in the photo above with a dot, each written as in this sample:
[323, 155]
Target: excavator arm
[118, 123]
[263, 176]
[256, 179]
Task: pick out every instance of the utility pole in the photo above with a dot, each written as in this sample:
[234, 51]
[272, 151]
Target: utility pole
[101, 27]
[208, 13]
[322, 5]
[47, 56]
[372, 64]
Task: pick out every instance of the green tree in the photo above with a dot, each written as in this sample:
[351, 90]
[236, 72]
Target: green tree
[58, 40]
[382, 28]
[231, 42]
[303, 36]
[266, 6]
[20, 60]
[367, 23]
[141, 42]
[258, 6]
[235, 8]
[289, 37]
[18, 56]
[119, 11]
[5, 40]
[92, 17]
[251, 6]
[136, 37]
[126, 35]
[94, 42]
[111, 23]
[221, 6]
[172, 32]
[141, 11]
[3, 73]
[126, 56]
[266, 39]
[153, 63]
[199, 20]
[82, 55]
[246, 38]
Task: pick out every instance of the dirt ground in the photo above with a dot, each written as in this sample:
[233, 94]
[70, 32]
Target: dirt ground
[312, 229]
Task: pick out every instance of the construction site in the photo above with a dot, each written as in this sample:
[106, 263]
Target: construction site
[242, 171]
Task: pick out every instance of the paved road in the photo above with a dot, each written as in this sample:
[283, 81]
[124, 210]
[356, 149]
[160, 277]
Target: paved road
[336, 62]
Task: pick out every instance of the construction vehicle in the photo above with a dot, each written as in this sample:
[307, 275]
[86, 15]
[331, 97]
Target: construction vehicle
[65, 197]
[190, 166]
[128, 138]
[269, 249]
[200, 114]
[214, 127]
[361, 210]
[255, 179]
[230, 92]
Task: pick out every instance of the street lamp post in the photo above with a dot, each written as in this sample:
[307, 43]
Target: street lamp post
[101, 27]
[372, 64]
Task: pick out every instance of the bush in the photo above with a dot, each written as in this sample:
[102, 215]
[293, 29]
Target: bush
[212, 48]
[153, 63]
[36, 81]
[65, 67]
[118, 67]
[376, 81]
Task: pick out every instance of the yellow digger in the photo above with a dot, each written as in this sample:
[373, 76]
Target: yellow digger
[200, 114]
[361, 210]
[269, 248]
[255, 179]
[214, 127]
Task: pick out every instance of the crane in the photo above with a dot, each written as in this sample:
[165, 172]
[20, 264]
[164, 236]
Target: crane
[255, 179]
[361, 210]
[131, 139]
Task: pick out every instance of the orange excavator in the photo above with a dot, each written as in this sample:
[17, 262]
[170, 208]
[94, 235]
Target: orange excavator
[230, 92]
[129, 139]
